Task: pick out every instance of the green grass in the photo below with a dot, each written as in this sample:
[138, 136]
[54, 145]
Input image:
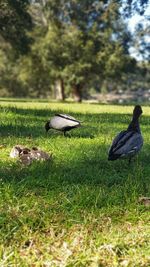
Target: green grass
[79, 209]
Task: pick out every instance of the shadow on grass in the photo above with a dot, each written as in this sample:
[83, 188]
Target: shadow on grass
[21, 130]
[82, 179]
[30, 122]
[85, 178]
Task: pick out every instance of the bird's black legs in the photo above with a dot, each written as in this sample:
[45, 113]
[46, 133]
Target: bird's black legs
[130, 161]
[66, 135]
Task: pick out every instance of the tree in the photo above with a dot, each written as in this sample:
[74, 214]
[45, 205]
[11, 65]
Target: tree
[75, 44]
[141, 44]
[79, 40]
[15, 21]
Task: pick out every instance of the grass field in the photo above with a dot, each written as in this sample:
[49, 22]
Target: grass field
[79, 209]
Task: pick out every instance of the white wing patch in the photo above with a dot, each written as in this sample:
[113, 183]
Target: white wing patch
[66, 116]
[59, 123]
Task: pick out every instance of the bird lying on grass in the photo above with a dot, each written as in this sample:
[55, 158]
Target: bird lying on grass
[26, 156]
[62, 122]
[129, 142]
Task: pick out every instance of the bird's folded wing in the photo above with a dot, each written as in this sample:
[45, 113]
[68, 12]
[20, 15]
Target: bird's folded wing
[67, 117]
[131, 144]
[117, 140]
[61, 123]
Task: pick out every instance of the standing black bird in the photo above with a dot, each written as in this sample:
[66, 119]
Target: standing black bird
[129, 142]
[62, 122]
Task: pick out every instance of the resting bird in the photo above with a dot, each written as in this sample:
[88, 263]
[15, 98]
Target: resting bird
[129, 142]
[62, 122]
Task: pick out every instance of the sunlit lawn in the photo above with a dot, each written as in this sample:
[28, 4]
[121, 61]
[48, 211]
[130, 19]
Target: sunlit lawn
[79, 209]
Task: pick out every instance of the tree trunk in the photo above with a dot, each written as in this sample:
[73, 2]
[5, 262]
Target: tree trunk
[77, 94]
[59, 90]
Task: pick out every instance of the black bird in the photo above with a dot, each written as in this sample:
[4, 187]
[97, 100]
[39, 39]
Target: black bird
[62, 122]
[129, 142]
